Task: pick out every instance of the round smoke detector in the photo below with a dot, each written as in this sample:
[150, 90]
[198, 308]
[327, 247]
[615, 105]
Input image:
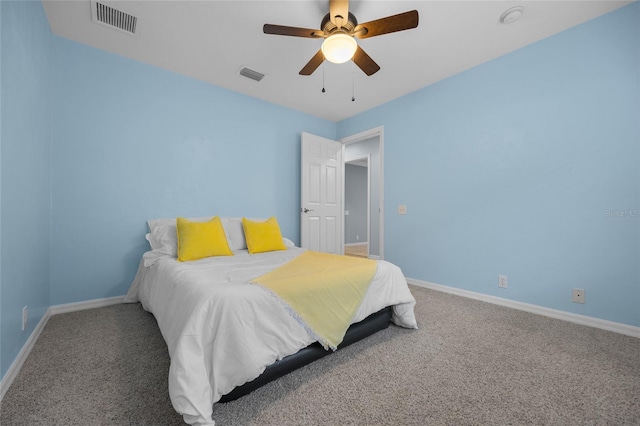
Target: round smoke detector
[511, 15]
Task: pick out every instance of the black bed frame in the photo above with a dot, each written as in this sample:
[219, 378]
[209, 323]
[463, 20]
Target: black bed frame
[358, 331]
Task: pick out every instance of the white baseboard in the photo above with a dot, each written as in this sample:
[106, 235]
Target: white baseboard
[362, 243]
[88, 304]
[616, 327]
[15, 367]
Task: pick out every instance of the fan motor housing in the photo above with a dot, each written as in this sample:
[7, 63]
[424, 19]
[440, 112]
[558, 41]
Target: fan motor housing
[329, 27]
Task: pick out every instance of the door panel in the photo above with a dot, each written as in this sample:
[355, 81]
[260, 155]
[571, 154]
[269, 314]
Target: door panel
[313, 225]
[314, 183]
[332, 196]
[331, 225]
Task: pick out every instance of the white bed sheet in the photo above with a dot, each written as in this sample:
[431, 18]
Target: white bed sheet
[222, 332]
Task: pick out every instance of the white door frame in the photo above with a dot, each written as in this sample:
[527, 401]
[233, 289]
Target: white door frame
[358, 137]
[366, 157]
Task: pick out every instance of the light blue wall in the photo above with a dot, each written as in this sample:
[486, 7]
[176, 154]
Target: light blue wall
[133, 142]
[513, 166]
[25, 172]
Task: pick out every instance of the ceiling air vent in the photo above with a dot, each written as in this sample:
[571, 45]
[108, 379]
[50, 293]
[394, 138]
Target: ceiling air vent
[113, 18]
[249, 73]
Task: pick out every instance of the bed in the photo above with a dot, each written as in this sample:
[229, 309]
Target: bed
[225, 335]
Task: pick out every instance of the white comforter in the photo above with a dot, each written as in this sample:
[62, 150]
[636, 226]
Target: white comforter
[222, 331]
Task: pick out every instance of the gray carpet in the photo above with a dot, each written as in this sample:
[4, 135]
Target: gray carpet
[471, 363]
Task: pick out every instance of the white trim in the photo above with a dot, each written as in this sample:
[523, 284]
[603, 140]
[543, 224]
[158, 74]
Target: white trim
[15, 367]
[366, 157]
[356, 244]
[364, 135]
[616, 327]
[88, 304]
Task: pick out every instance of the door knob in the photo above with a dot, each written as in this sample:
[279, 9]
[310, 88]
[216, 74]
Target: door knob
[306, 210]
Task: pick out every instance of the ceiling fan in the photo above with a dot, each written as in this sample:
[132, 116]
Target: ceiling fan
[338, 28]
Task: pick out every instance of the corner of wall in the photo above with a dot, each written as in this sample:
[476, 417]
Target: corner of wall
[26, 148]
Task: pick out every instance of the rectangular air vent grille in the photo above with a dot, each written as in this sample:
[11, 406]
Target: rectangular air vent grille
[114, 18]
[249, 73]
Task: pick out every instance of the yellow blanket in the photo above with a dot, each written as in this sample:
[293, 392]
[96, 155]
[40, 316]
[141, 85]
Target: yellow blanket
[323, 290]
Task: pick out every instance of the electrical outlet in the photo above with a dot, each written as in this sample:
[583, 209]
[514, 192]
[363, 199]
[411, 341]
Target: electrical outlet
[578, 295]
[25, 318]
[402, 209]
[502, 281]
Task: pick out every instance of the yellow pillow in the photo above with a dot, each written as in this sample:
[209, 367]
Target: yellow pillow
[201, 239]
[263, 236]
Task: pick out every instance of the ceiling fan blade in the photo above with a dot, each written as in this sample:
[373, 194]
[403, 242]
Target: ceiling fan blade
[365, 62]
[313, 64]
[339, 12]
[390, 24]
[291, 31]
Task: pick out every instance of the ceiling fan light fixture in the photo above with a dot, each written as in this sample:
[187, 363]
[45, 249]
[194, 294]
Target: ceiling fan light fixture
[339, 48]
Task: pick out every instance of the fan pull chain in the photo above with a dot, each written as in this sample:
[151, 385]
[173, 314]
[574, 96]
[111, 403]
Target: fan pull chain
[323, 77]
[353, 87]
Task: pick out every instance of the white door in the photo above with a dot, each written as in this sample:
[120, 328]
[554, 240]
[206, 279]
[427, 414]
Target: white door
[321, 194]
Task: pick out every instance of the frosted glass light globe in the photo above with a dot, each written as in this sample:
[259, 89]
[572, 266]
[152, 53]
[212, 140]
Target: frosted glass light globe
[339, 48]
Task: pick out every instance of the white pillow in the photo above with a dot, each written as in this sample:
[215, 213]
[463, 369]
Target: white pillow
[235, 232]
[163, 236]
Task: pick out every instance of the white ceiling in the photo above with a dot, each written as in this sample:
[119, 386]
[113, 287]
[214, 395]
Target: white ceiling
[212, 40]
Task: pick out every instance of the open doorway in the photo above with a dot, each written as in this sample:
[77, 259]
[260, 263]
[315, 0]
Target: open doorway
[361, 148]
[357, 205]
